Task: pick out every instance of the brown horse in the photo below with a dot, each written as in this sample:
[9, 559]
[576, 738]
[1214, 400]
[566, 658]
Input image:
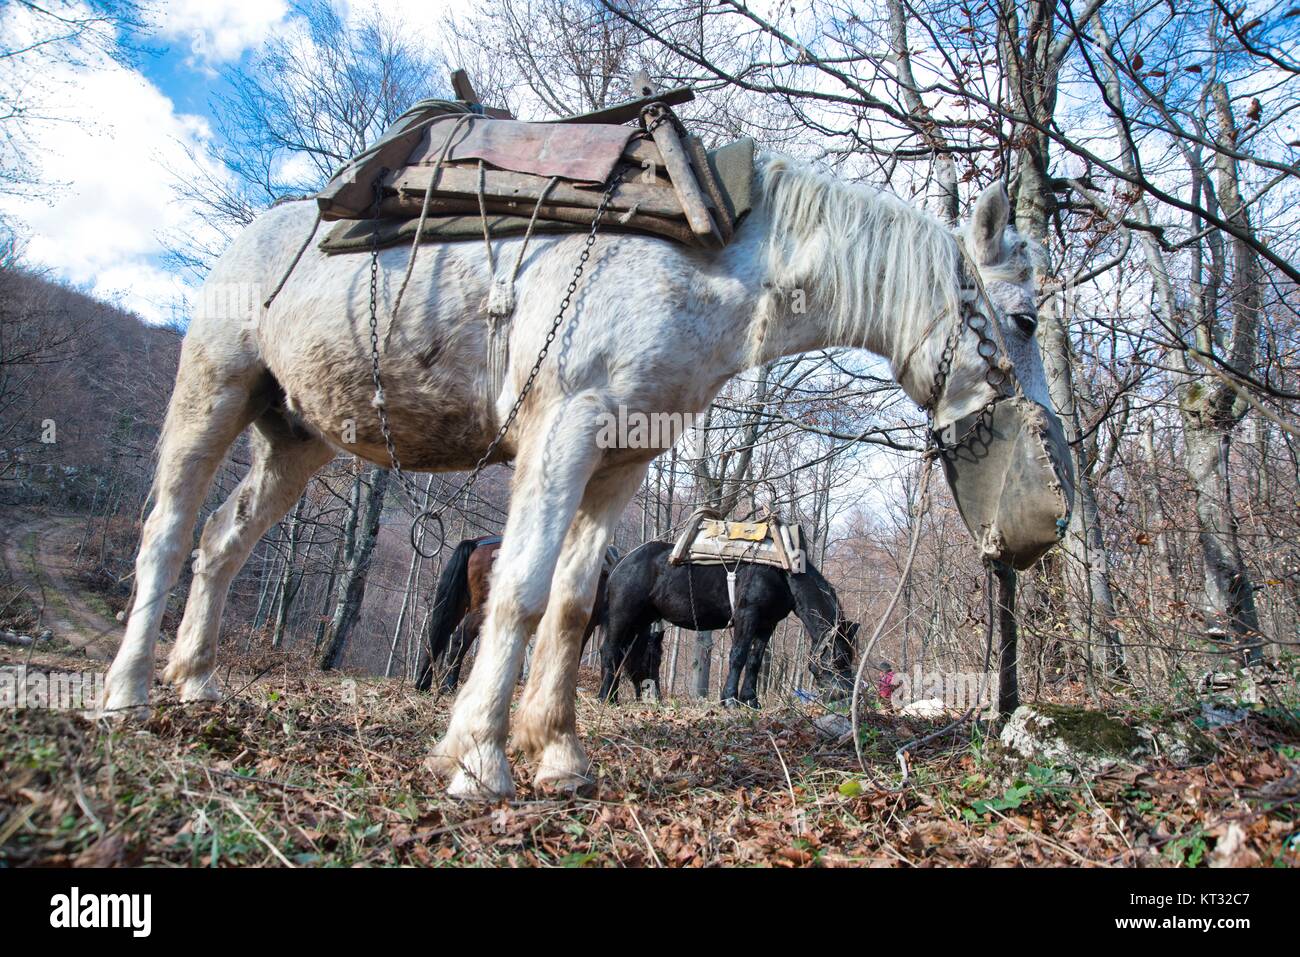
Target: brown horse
[460, 608]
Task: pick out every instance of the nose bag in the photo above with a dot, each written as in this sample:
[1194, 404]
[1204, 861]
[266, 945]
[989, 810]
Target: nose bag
[1013, 479]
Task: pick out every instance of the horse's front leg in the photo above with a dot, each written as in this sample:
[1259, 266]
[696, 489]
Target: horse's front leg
[554, 464]
[753, 668]
[546, 724]
[742, 635]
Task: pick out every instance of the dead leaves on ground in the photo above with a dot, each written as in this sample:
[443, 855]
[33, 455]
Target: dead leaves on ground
[291, 772]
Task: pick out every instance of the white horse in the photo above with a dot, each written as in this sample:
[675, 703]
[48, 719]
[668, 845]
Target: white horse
[655, 327]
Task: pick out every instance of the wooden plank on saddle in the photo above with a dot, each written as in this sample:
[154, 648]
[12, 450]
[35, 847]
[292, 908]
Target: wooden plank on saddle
[462, 180]
[682, 549]
[408, 205]
[621, 113]
[351, 194]
[677, 162]
[645, 154]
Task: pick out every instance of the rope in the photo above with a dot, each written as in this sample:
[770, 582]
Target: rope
[482, 212]
[532, 221]
[293, 265]
[902, 750]
[889, 610]
[424, 216]
[435, 514]
[501, 301]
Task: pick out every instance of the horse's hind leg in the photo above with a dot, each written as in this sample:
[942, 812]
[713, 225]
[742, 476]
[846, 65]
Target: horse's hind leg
[754, 666]
[466, 634]
[546, 724]
[284, 460]
[209, 407]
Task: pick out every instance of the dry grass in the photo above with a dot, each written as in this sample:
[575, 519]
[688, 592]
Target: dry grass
[291, 772]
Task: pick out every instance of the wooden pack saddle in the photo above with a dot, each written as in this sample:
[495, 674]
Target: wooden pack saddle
[465, 168]
[708, 539]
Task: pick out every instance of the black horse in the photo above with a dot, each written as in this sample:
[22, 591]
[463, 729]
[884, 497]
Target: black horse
[638, 662]
[645, 588]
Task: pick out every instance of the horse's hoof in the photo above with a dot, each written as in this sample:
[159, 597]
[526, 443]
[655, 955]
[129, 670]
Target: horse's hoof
[478, 772]
[563, 769]
[466, 786]
[122, 713]
[124, 700]
[564, 786]
[197, 690]
[556, 782]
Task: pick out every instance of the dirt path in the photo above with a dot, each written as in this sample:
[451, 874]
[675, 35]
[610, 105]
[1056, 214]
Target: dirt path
[38, 550]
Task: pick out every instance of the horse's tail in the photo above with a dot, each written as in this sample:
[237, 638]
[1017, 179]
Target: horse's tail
[449, 604]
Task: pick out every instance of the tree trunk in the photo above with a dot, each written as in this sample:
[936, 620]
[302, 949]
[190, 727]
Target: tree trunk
[1212, 410]
[1229, 592]
[1033, 62]
[700, 663]
[352, 586]
[1008, 665]
[408, 595]
[288, 585]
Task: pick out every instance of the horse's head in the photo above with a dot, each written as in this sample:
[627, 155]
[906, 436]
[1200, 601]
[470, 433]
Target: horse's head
[1003, 448]
[832, 664]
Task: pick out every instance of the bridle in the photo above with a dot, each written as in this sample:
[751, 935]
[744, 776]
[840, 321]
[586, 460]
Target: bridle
[999, 374]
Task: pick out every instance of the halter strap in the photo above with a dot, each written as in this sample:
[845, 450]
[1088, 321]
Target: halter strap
[973, 291]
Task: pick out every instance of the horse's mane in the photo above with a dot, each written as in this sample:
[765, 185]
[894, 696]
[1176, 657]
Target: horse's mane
[876, 259]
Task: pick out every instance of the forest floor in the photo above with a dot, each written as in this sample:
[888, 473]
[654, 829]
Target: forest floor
[297, 768]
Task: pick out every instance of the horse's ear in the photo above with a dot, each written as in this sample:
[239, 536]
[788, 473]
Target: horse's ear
[992, 213]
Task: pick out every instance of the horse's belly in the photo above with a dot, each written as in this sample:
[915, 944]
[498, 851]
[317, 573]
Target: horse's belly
[436, 405]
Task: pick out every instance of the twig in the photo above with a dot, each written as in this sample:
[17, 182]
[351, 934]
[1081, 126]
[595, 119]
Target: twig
[855, 711]
[794, 801]
[646, 837]
[1043, 839]
[234, 805]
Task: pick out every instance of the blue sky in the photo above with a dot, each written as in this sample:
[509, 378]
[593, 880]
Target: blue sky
[110, 136]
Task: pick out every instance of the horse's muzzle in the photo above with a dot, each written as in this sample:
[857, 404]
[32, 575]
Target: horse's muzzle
[1012, 475]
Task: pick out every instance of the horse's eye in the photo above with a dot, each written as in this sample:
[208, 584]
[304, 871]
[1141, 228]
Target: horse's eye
[1027, 321]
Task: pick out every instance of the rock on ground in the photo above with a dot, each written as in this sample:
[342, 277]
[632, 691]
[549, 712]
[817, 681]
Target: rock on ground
[1073, 737]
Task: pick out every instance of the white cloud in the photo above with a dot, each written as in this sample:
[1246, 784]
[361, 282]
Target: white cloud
[102, 157]
[218, 31]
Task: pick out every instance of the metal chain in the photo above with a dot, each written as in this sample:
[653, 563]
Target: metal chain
[435, 513]
[995, 375]
[380, 399]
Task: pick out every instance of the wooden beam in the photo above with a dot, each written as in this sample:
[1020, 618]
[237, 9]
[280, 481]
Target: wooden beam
[464, 90]
[458, 180]
[678, 163]
[462, 87]
[407, 206]
[704, 175]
